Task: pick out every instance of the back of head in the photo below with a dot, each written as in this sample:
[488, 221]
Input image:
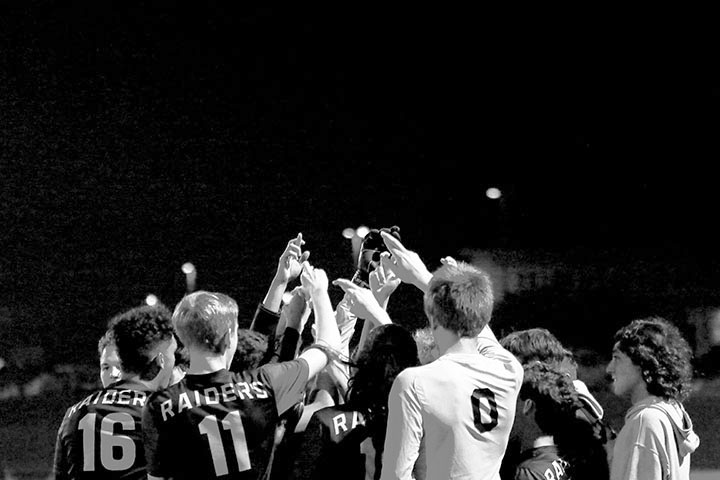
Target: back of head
[460, 299]
[389, 350]
[661, 352]
[557, 405]
[204, 320]
[553, 394]
[535, 345]
[137, 333]
[251, 349]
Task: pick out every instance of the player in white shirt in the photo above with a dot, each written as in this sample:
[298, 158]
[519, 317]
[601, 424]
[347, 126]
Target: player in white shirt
[459, 409]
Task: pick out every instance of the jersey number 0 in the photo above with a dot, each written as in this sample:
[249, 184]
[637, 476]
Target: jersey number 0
[484, 399]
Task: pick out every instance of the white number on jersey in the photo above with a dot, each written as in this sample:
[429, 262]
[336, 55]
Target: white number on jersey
[124, 444]
[232, 422]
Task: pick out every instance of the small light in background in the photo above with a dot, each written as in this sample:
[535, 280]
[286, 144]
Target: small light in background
[361, 231]
[493, 193]
[348, 233]
[190, 276]
[151, 300]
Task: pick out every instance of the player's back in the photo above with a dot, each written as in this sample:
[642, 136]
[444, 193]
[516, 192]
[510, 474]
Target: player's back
[100, 437]
[222, 424]
[468, 405]
[330, 446]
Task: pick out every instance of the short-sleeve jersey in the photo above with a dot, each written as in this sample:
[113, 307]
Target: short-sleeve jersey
[221, 424]
[462, 406]
[542, 463]
[100, 437]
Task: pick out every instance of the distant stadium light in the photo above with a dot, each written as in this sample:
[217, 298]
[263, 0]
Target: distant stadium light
[188, 268]
[361, 231]
[493, 193]
[348, 233]
[151, 300]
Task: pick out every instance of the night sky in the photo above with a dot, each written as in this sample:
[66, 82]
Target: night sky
[135, 138]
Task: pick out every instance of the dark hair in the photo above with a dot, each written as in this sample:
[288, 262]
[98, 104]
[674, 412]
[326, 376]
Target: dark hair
[204, 319]
[389, 350]
[556, 400]
[664, 357]
[105, 340]
[536, 345]
[459, 298]
[137, 332]
[251, 349]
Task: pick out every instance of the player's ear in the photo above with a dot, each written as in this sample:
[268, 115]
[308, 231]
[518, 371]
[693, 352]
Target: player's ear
[528, 406]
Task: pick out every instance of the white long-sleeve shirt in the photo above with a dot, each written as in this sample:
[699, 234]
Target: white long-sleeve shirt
[462, 407]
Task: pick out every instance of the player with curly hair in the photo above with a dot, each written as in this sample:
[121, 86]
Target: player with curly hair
[546, 409]
[651, 364]
[100, 437]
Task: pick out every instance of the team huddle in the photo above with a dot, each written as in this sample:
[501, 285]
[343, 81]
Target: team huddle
[187, 394]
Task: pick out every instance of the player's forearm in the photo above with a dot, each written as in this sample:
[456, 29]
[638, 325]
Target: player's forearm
[327, 330]
[273, 298]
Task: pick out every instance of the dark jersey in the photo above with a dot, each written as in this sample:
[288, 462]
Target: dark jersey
[542, 463]
[331, 443]
[100, 437]
[221, 424]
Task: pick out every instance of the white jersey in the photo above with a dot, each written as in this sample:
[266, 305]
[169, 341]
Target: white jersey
[461, 406]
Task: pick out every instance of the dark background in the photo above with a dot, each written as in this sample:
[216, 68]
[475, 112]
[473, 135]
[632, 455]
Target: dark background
[140, 135]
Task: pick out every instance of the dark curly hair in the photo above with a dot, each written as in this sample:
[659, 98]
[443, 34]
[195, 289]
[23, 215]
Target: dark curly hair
[556, 400]
[251, 349]
[664, 357]
[390, 349]
[137, 332]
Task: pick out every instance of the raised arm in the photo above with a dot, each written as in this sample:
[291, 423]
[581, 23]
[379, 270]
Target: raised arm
[316, 282]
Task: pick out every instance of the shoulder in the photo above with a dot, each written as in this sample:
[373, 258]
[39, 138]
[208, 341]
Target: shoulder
[160, 396]
[406, 379]
[527, 473]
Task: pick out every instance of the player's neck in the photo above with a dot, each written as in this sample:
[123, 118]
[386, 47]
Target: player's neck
[463, 345]
[201, 362]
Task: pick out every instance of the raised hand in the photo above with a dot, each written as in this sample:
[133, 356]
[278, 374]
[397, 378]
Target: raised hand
[383, 283]
[361, 301]
[290, 263]
[313, 280]
[404, 263]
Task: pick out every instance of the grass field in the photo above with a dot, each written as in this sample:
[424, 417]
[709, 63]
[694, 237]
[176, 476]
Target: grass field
[28, 428]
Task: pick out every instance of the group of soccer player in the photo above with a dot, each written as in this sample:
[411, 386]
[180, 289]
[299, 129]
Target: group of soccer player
[187, 394]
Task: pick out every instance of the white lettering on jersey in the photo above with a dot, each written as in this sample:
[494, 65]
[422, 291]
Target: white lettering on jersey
[105, 399]
[260, 390]
[211, 392]
[166, 409]
[228, 393]
[124, 397]
[243, 390]
[356, 420]
[559, 470]
[183, 402]
[338, 423]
